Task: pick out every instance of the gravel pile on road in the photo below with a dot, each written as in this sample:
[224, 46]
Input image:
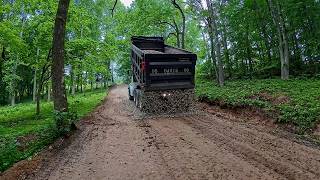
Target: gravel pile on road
[167, 102]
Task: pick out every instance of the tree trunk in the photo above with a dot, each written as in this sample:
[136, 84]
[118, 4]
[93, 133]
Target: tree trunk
[2, 87]
[49, 93]
[86, 81]
[73, 85]
[59, 92]
[285, 64]
[105, 82]
[183, 33]
[34, 85]
[78, 82]
[38, 98]
[210, 55]
[226, 51]
[35, 80]
[13, 99]
[13, 84]
[178, 40]
[112, 75]
[213, 53]
[177, 32]
[278, 21]
[215, 33]
[249, 53]
[219, 59]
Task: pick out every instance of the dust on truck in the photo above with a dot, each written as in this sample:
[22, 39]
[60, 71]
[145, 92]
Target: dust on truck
[162, 76]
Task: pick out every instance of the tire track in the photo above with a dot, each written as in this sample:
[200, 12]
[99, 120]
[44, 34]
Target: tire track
[233, 141]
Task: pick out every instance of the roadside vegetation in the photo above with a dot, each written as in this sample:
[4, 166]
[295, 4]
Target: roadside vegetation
[295, 101]
[23, 133]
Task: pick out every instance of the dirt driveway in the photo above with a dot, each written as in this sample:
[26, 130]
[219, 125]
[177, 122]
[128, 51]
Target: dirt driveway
[112, 144]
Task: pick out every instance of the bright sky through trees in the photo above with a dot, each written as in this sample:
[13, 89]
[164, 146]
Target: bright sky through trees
[127, 2]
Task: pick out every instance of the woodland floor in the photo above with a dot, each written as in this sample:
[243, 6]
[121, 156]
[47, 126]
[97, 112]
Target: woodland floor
[112, 143]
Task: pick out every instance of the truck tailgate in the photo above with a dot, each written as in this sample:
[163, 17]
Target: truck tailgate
[170, 71]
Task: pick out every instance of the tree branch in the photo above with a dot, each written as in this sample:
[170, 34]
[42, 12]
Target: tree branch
[165, 22]
[176, 5]
[172, 33]
[114, 7]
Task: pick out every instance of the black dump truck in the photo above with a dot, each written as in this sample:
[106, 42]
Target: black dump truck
[162, 76]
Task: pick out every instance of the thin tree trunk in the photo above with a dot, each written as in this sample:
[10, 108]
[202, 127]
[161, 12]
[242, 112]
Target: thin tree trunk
[49, 93]
[112, 75]
[177, 32]
[215, 32]
[13, 95]
[38, 98]
[58, 86]
[35, 79]
[183, 33]
[73, 86]
[34, 85]
[213, 54]
[226, 51]
[262, 25]
[278, 20]
[2, 87]
[285, 66]
[249, 54]
[13, 99]
[78, 82]
[210, 55]
[86, 82]
[13, 84]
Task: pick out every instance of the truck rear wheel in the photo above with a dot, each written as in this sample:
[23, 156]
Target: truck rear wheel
[134, 96]
[130, 97]
[138, 98]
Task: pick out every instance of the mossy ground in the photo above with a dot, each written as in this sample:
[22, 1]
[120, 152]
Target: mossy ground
[23, 133]
[295, 101]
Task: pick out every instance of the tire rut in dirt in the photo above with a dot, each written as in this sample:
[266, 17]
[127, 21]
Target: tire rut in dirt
[154, 140]
[192, 156]
[269, 144]
[258, 148]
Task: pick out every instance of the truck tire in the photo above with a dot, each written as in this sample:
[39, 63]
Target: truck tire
[138, 101]
[130, 97]
[134, 96]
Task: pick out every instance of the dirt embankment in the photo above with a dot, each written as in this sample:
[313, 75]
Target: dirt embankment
[112, 144]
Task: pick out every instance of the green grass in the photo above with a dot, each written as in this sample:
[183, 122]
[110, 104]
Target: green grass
[295, 101]
[22, 133]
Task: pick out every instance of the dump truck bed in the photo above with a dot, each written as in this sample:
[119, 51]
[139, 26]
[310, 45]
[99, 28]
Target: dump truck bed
[157, 66]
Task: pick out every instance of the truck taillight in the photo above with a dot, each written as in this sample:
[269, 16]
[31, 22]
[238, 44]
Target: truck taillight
[143, 66]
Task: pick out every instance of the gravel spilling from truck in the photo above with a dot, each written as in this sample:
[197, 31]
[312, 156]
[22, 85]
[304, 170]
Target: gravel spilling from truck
[170, 101]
